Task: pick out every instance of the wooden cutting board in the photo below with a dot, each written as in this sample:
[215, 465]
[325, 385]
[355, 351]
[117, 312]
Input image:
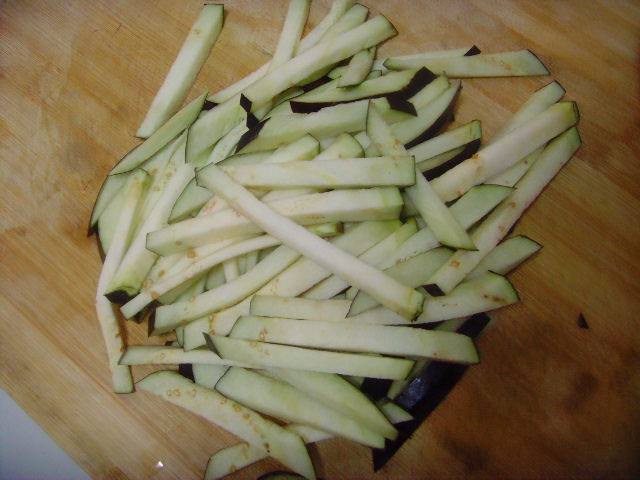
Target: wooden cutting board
[549, 400]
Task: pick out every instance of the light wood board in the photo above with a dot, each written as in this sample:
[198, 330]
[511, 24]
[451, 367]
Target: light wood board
[549, 400]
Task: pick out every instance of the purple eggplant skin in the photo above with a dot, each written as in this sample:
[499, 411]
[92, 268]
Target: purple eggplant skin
[433, 290]
[208, 105]
[252, 121]
[470, 149]
[316, 83]
[101, 251]
[472, 51]
[119, 297]
[186, 370]
[250, 136]
[245, 103]
[425, 392]
[421, 79]
[445, 117]
[402, 105]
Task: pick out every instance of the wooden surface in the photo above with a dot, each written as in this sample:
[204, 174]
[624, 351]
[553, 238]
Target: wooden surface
[550, 400]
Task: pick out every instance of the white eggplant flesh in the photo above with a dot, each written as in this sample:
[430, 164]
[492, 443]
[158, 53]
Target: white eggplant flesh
[302, 308]
[281, 400]
[521, 63]
[192, 55]
[357, 337]
[270, 355]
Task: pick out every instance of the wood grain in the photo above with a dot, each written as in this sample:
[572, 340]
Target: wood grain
[550, 400]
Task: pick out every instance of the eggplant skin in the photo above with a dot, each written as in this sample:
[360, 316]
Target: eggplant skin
[186, 370]
[472, 51]
[250, 136]
[438, 125]
[471, 148]
[119, 297]
[425, 392]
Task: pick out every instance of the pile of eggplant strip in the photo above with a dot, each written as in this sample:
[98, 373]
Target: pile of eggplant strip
[323, 247]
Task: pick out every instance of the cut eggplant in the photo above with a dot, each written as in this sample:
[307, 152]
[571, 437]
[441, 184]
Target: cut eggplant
[343, 146]
[208, 375]
[446, 142]
[215, 278]
[352, 337]
[397, 386]
[281, 444]
[284, 129]
[164, 355]
[302, 308]
[109, 325]
[170, 316]
[230, 459]
[304, 274]
[269, 355]
[413, 272]
[456, 52]
[336, 392]
[515, 172]
[537, 103]
[335, 206]
[441, 221]
[247, 158]
[161, 137]
[427, 391]
[185, 68]
[354, 17]
[305, 148]
[406, 83]
[328, 174]
[387, 291]
[358, 68]
[482, 294]
[429, 119]
[281, 400]
[506, 256]
[374, 256]
[321, 56]
[489, 233]
[138, 261]
[338, 8]
[109, 189]
[506, 64]
[436, 166]
[486, 292]
[183, 293]
[500, 155]
[203, 262]
[289, 40]
[231, 269]
[108, 221]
